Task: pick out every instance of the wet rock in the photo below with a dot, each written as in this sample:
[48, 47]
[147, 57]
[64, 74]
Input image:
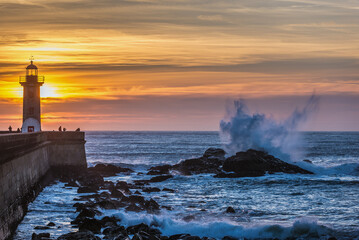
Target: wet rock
[122, 185]
[109, 221]
[215, 153]
[256, 163]
[151, 189]
[191, 238]
[90, 224]
[142, 228]
[160, 178]
[110, 204]
[151, 206]
[116, 193]
[136, 199]
[159, 170]
[90, 179]
[230, 210]
[133, 208]
[168, 190]
[40, 236]
[229, 238]
[79, 236]
[178, 236]
[137, 192]
[198, 166]
[41, 227]
[307, 160]
[50, 224]
[87, 189]
[114, 232]
[108, 170]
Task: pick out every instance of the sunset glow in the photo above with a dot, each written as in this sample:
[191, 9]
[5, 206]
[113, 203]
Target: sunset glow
[139, 64]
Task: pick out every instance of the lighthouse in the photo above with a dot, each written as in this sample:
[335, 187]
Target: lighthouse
[31, 118]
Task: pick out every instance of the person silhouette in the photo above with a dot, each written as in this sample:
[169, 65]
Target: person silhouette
[10, 128]
[60, 129]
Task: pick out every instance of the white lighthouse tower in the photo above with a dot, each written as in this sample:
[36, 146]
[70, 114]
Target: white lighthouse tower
[31, 120]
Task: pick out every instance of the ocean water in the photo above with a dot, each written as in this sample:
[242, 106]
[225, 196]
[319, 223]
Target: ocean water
[279, 205]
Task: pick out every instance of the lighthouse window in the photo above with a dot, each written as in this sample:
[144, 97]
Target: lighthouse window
[31, 111]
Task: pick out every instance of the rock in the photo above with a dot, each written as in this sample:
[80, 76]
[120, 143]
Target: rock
[79, 236]
[115, 232]
[41, 227]
[159, 170]
[308, 161]
[168, 190]
[198, 166]
[151, 206]
[50, 224]
[116, 193]
[109, 221]
[40, 236]
[90, 179]
[133, 208]
[151, 189]
[122, 185]
[108, 170]
[178, 236]
[229, 238]
[160, 178]
[87, 189]
[230, 210]
[90, 224]
[142, 228]
[257, 163]
[191, 238]
[215, 153]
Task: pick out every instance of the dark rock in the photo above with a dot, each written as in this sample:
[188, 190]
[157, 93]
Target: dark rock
[151, 206]
[114, 232]
[307, 160]
[159, 170]
[215, 153]
[90, 224]
[41, 227]
[71, 183]
[178, 236]
[116, 193]
[238, 175]
[109, 221]
[108, 170]
[51, 224]
[40, 236]
[90, 179]
[137, 236]
[230, 210]
[257, 163]
[160, 178]
[168, 190]
[137, 192]
[133, 208]
[87, 189]
[142, 228]
[79, 236]
[122, 185]
[151, 189]
[191, 238]
[198, 166]
[229, 238]
[110, 204]
[136, 199]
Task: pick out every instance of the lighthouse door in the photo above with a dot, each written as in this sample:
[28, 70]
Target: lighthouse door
[30, 129]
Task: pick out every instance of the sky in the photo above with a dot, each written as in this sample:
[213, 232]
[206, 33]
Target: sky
[175, 65]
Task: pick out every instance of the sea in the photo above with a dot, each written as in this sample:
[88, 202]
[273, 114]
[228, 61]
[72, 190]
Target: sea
[273, 206]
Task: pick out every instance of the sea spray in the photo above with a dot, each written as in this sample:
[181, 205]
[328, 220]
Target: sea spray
[240, 130]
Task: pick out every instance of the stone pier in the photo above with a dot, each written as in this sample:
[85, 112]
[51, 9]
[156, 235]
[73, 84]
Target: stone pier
[26, 161]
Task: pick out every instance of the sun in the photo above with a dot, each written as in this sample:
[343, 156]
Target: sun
[48, 91]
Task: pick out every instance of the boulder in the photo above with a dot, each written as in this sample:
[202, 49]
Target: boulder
[159, 170]
[90, 224]
[160, 178]
[230, 210]
[198, 166]
[257, 163]
[108, 170]
[79, 236]
[215, 153]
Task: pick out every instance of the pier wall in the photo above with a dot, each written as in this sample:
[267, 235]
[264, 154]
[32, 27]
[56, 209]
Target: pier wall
[26, 160]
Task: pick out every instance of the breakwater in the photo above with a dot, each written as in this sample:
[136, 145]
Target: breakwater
[27, 161]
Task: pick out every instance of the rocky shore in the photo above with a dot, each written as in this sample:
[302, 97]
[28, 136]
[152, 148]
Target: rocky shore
[96, 194]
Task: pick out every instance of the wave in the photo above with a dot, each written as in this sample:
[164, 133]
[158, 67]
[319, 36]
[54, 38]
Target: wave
[168, 225]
